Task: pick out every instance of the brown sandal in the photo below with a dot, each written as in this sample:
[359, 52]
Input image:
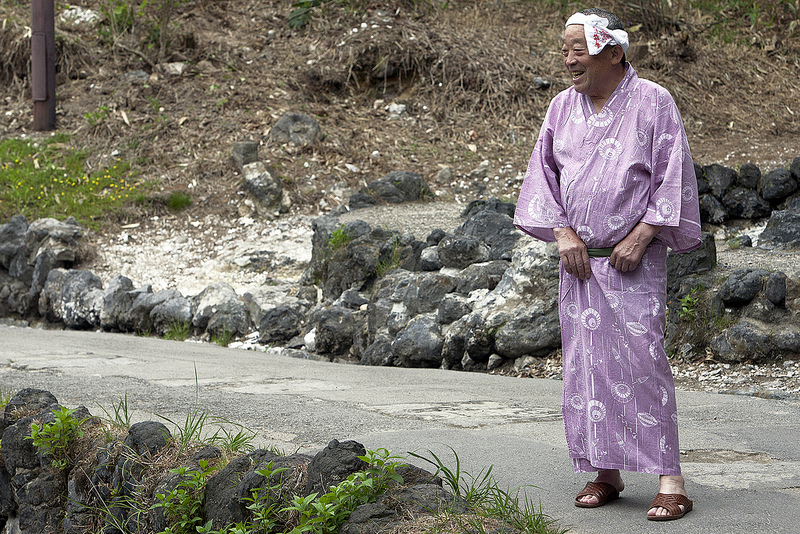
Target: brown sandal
[604, 492]
[671, 502]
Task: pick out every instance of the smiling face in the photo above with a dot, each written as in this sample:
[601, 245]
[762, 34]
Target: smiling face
[595, 76]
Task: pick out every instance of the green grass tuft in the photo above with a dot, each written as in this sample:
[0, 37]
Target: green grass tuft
[47, 178]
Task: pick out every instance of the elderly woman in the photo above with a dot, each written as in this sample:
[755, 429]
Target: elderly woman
[611, 181]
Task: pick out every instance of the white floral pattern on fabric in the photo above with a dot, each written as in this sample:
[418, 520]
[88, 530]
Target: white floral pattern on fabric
[636, 328]
[590, 318]
[585, 233]
[572, 312]
[614, 301]
[622, 392]
[576, 116]
[615, 222]
[558, 146]
[597, 411]
[602, 119]
[655, 305]
[610, 148]
[577, 403]
[665, 210]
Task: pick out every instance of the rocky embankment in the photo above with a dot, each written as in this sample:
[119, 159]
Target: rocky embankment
[108, 478]
[402, 280]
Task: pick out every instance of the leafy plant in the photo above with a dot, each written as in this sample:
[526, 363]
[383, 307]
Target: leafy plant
[326, 513]
[54, 439]
[688, 303]
[236, 440]
[95, 118]
[5, 397]
[303, 12]
[183, 505]
[339, 238]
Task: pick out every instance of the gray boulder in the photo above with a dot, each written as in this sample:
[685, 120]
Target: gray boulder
[118, 304]
[429, 259]
[334, 328]
[174, 310]
[394, 188]
[742, 286]
[426, 291]
[219, 310]
[493, 228]
[743, 341]
[40, 504]
[244, 152]
[222, 505]
[719, 178]
[535, 331]
[12, 238]
[459, 252]
[147, 438]
[777, 185]
[333, 464]
[712, 210]
[782, 230]
[481, 276]
[281, 323]
[741, 203]
[419, 344]
[379, 353]
[749, 176]
[700, 260]
[775, 288]
[452, 308]
[297, 129]
[264, 185]
[73, 297]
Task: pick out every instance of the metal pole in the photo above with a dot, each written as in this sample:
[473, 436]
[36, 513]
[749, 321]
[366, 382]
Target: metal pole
[43, 64]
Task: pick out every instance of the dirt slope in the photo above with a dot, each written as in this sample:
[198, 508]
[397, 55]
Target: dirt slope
[475, 79]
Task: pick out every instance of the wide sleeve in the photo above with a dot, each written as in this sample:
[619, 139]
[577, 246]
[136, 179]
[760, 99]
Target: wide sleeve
[539, 208]
[673, 202]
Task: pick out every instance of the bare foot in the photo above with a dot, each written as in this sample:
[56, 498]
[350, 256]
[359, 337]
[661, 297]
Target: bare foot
[668, 484]
[609, 476]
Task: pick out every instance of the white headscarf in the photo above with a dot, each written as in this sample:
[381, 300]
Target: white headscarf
[597, 33]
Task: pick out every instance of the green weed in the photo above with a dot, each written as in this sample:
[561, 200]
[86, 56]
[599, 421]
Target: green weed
[178, 331]
[488, 501]
[5, 397]
[183, 505]
[54, 439]
[390, 260]
[121, 417]
[178, 200]
[223, 339]
[688, 303]
[339, 239]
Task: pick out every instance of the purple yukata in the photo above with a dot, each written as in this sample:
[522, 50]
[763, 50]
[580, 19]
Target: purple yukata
[601, 174]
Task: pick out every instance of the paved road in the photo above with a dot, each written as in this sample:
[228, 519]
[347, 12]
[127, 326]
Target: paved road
[742, 459]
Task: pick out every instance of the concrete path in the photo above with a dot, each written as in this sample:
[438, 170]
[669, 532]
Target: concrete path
[742, 459]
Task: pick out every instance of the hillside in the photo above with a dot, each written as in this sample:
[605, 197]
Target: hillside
[475, 77]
